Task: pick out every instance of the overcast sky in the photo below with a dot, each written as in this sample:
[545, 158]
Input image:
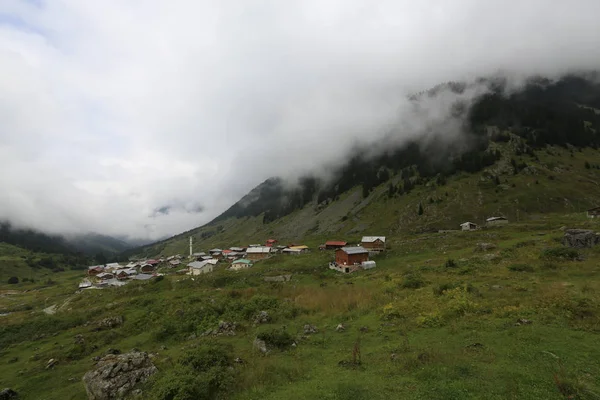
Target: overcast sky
[112, 111]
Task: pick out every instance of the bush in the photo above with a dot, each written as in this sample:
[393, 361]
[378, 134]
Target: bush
[13, 280]
[560, 253]
[520, 268]
[412, 280]
[440, 289]
[430, 320]
[450, 263]
[277, 338]
[202, 374]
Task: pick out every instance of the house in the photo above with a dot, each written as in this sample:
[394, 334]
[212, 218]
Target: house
[105, 275]
[95, 270]
[373, 243]
[133, 265]
[205, 258]
[112, 266]
[198, 268]
[271, 242]
[334, 244]
[255, 245]
[152, 262]
[212, 261]
[215, 251]
[241, 263]
[198, 255]
[593, 212]
[302, 248]
[143, 277]
[291, 251]
[351, 255]
[237, 249]
[258, 253]
[125, 273]
[495, 221]
[85, 284]
[147, 268]
[469, 226]
[174, 263]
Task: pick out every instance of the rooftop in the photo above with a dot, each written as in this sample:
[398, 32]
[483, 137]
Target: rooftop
[354, 250]
[371, 239]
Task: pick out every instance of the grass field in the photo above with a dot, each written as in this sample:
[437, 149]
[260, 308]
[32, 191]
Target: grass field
[437, 319]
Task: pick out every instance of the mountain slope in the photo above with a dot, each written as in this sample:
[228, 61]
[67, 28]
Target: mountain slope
[520, 154]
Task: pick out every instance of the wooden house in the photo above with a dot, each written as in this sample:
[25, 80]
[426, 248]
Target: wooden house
[593, 212]
[373, 243]
[258, 253]
[351, 255]
[469, 226]
[496, 221]
[334, 244]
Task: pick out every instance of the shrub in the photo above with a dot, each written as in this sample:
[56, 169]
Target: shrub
[13, 280]
[560, 253]
[202, 374]
[440, 289]
[520, 268]
[412, 280]
[430, 320]
[450, 263]
[277, 337]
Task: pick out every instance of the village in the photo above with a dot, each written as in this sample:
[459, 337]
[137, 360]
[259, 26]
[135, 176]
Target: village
[347, 259]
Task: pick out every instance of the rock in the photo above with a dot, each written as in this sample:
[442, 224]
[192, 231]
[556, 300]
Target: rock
[482, 247]
[310, 329]
[496, 287]
[238, 360]
[51, 363]
[393, 356]
[110, 322]
[581, 238]
[8, 394]
[115, 376]
[112, 351]
[163, 348]
[340, 328]
[262, 318]
[364, 329]
[260, 345]
[224, 329]
[523, 321]
[79, 339]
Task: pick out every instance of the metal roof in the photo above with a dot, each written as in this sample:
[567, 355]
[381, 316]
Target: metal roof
[255, 250]
[335, 243]
[371, 239]
[354, 250]
[198, 264]
[242, 261]
[143, 277]
[495, 218]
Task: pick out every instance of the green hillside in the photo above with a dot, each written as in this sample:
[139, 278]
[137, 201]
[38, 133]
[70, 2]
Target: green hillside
[555, 180]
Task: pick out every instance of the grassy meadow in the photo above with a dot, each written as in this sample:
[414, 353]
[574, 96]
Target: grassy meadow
[441, 317]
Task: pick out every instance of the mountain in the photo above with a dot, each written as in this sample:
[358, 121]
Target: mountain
[40, 242]
[519, 154]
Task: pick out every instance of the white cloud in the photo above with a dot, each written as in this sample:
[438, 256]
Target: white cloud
[111, 110]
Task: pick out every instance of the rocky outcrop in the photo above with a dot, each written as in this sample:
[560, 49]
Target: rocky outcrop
[581, 238]
[115, 376]
[310, 329]
[110, 322]
[8, 394]
[262, 317]
[225, 328]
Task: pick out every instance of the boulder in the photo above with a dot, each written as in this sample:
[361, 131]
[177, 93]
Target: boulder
[310, 329]
[51, 363]
[340, 328]
[110, 322]
[482, 247]
[262, 318]
[115, 376]
[8, 394]
[581, 238]
[260, 345]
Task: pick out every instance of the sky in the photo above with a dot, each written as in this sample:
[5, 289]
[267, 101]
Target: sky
[149, 118]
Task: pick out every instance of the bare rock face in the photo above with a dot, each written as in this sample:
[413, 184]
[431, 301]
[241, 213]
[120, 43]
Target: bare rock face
[116, 375]
[225, 328]
[581, 238]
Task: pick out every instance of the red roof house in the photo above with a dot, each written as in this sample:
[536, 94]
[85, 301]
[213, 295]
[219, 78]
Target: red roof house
[271, 242]
[334, 244]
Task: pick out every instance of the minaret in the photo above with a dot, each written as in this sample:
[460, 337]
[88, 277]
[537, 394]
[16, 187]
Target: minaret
[190, 246]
